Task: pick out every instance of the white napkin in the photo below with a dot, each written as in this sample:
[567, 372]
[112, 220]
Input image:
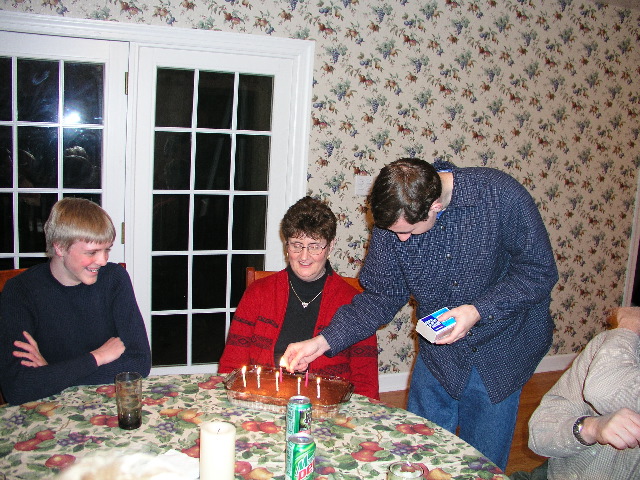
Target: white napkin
[188, 467]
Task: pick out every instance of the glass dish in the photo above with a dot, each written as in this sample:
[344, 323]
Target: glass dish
[242, 390]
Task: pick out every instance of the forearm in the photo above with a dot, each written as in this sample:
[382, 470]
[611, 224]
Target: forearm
[613, 381]
[25, 384]
[551, 428]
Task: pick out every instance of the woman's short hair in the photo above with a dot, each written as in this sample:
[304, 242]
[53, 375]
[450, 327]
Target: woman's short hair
[405, 188]
[77, 220]
[309, 217]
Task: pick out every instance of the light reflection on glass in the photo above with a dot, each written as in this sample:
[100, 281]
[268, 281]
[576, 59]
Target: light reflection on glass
[72, 117]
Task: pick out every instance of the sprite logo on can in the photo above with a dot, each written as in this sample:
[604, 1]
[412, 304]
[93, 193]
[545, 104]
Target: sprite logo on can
[300, 457]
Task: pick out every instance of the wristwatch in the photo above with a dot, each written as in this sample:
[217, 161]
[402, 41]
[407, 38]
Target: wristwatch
[577, 431]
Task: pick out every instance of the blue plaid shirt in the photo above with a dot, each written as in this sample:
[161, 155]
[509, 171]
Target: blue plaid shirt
[489, 249]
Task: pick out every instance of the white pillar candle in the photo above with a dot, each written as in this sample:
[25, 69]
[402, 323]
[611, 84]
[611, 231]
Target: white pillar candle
[217, 451]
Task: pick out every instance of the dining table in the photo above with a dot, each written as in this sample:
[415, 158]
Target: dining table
[41, 438]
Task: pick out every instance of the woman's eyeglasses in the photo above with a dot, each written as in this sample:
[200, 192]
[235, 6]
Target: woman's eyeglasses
[312, 248]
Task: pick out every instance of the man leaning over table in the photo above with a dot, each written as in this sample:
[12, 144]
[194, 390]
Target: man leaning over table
[73, 320]
[589, 422]
[470, 239]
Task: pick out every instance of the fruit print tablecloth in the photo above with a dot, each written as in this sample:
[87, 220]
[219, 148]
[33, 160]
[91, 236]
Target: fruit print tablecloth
[38, 439]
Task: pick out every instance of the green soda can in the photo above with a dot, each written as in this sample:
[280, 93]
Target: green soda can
[298, 415]
[299, 457]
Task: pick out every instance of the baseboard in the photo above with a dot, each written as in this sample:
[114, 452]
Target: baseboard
[391, 382]
[553, 363]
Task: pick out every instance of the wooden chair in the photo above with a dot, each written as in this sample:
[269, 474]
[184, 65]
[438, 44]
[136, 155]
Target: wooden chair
[6, 275]
[253, 274]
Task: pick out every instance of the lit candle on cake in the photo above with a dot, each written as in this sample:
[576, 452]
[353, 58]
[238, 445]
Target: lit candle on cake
[282, 364]
[299, 380]
[277, 387]
[258, 376]
[244, 376]
[318, 387]
[306, 379]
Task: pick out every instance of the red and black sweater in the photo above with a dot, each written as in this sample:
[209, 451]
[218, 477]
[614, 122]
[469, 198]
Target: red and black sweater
[258, 321]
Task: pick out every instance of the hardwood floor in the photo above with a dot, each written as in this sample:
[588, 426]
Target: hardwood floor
[520, 458]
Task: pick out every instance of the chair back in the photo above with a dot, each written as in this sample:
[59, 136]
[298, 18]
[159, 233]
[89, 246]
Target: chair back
[253, 275]
[6, 275]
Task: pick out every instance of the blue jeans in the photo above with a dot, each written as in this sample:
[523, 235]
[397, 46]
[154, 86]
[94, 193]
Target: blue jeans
[486, 426]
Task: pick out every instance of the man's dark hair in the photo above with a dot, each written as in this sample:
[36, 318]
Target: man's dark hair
[310, 217]
[405, 188]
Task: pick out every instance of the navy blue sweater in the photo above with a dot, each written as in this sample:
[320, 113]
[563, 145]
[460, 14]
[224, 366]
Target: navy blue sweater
[68, 322]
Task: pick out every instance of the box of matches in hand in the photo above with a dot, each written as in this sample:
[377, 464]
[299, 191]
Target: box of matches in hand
[431, 329]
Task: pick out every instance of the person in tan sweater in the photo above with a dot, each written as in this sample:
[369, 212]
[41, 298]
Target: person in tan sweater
[589, 422]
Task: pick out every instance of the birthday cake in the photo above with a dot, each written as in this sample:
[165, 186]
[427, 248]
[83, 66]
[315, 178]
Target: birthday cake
[267, 390]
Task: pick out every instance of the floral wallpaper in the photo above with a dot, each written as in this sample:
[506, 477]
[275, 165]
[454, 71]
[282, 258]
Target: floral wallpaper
[545, 90]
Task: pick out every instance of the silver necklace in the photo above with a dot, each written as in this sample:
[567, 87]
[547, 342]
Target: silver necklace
[304, 304]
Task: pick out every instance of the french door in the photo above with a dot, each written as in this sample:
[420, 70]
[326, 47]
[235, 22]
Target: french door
[197, 142]
[210, 143]
[62, 133]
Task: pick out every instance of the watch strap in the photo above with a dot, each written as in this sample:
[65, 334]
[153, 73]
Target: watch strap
[577, 431]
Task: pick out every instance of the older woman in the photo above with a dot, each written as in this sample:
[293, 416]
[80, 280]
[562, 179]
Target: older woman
[298, 302]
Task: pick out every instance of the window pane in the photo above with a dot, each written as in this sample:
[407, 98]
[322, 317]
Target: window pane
[6, 264]
[208, 337]
[252, 162]
[213, 159]
[168, 340]
[94, 197]
[6, 160]
[174, 98]
[172, 161]
[38, 92]
[6, 223]
[209, 281]
[215, 100]
[170, 222]
[249, 222]
[254, 102]
[37, 157]
[83, 87]
[82, 163]
[210, 221]
[26, 262]
[169, 283]
[33, 211]
[239, 264]
[5, 89]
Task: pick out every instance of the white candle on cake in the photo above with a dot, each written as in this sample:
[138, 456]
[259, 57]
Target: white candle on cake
[217, 451]
[258, 375]
[318, 386]
[244, 377]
